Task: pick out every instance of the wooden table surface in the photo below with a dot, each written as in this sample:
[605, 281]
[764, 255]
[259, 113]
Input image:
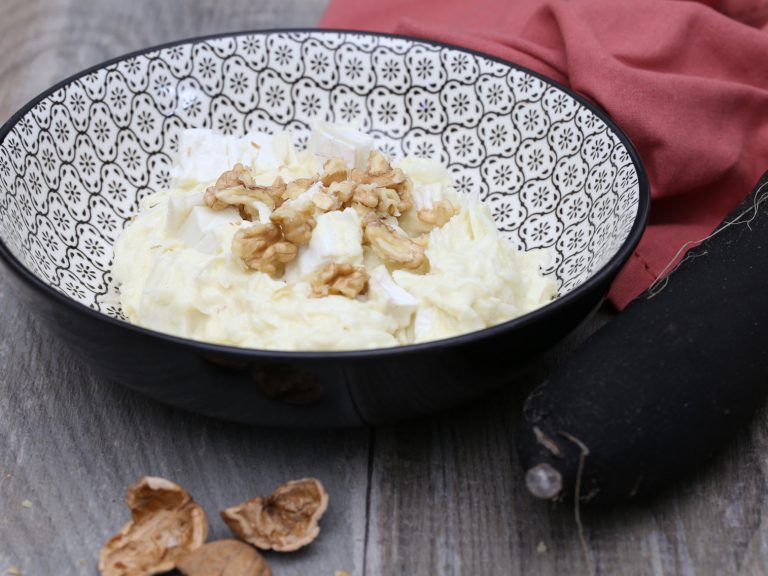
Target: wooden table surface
[439, 496]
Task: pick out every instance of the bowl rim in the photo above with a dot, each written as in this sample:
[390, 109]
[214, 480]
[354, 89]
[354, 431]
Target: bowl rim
[604, 274]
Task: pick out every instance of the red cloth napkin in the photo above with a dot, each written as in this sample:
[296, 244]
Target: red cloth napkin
[687, 81]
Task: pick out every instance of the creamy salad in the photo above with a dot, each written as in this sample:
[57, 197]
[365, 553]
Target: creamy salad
[334, 248]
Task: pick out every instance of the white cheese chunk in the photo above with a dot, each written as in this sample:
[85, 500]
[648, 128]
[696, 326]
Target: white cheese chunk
[199, 229]
[425, 196]
[179, 207]
[272, 151]
[337, 237]
[424, 324]
[204, 155]
[337, 141]
[396, 302]
[264, 211]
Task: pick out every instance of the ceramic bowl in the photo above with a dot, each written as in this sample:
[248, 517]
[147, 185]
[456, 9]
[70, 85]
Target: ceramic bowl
[555, 170]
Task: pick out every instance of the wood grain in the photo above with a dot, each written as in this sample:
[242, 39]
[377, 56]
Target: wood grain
[70, 443]
[439, 496]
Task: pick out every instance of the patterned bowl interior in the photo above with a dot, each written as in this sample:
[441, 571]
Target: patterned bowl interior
[73, 166]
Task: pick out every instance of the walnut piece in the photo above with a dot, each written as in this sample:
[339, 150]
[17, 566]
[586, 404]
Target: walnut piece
[342, 190]
[344, 279]
[297, 187]
[286, 520]
[378, 165]
[237, 188]
[327, 202]
[380, 173]
[165, 525]
[274, 191]
[334, 170]
[376, 193]
[296, 223]
[439, 215]
[335, 196]
[386, 201]
[379, 188]
[422, 240]
[224, 558]
[395, 249]
[261, 247]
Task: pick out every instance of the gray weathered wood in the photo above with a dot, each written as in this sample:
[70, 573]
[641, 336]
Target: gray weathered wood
[71, 443]
[443, 495]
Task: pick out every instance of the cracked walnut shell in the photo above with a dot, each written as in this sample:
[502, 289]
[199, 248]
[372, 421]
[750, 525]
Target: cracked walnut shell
[261, 247]
[224, 558]
[286, 520]
[165, 525]
[343, 279]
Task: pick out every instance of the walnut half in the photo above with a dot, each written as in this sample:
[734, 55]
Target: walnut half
[165, 525]
[262, 247]
[344, 279]
[286, 520]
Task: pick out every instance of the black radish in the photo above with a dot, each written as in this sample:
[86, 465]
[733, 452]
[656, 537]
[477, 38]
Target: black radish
[663, 386]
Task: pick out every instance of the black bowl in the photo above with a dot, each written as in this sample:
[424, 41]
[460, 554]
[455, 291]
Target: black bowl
[556, 171]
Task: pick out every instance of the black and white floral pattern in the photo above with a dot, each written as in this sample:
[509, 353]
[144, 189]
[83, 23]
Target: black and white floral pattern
[73, 167]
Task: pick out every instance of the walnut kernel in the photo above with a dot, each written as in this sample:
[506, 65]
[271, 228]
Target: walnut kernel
[286, 520]
[344, 279]
[342, 190]
[165, 525]
[439, 215]
[236, 187]
[334, 170]
[297, 187]
[296, 223]
[261, 247]
[327, 202]
[386, 201]
[378, 164]
[224, 558]
[395, 249]
[380, 173]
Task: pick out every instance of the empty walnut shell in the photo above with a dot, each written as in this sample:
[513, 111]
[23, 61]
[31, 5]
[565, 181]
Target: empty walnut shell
[224, 558]
[165, 525]
[286, 520]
